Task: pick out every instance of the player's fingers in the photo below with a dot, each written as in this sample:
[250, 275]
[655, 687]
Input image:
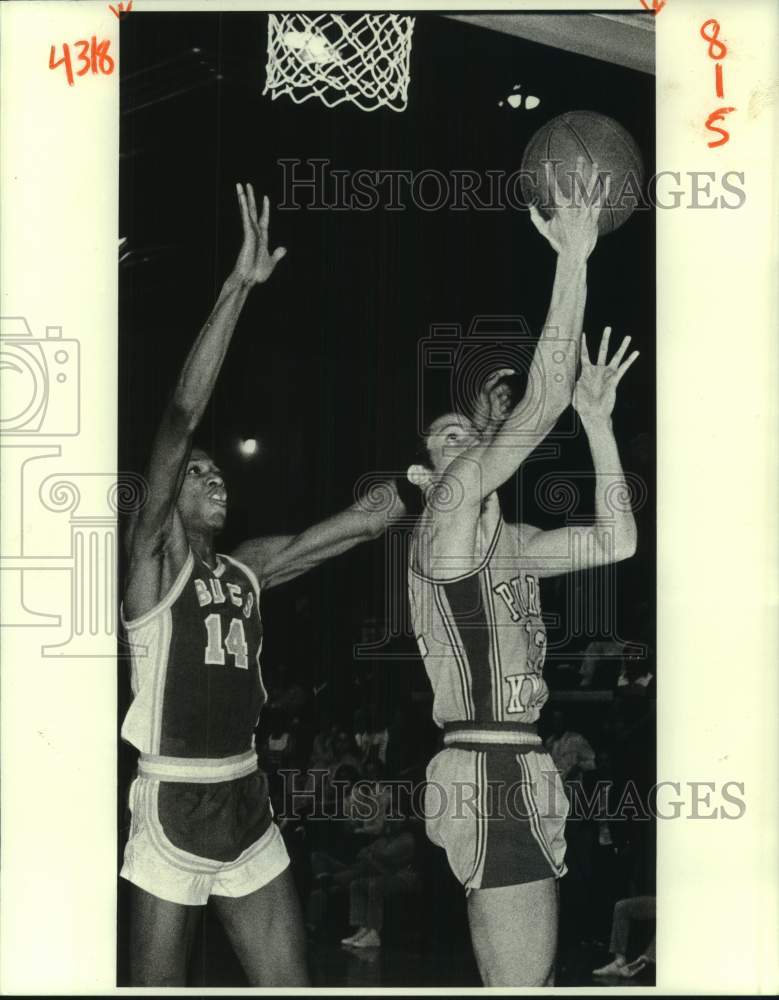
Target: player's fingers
[619, 354]
[551, 182]
[604, 345]
[244, 209]
[252, 203]
[592, 181]
[585, 356]
[626, 364]
[582, 182]
[496, 376]
[577, 179]
[265, 219]
[278, 254]
[603, 193]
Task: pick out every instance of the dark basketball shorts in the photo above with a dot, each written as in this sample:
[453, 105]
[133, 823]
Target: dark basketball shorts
[498, 811]
[191, 839]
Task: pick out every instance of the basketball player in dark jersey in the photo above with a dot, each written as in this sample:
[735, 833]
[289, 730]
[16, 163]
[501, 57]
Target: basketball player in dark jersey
[201, 821]
[494, 800]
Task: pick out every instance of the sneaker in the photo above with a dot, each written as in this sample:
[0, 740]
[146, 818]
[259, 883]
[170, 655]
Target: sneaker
[612, 969]
[360, 932]
[370, 939]
[633, 968]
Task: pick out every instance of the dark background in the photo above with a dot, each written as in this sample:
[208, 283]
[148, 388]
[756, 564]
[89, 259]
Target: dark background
[323, 368]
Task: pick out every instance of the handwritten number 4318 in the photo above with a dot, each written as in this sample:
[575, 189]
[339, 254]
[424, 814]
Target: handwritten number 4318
[92, 56]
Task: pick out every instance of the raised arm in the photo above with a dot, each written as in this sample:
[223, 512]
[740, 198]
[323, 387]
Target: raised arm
[612, 535]
[156, 530]
[278, 558]
[572, 232]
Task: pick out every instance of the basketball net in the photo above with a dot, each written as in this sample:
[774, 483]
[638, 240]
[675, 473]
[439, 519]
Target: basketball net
[339, 58]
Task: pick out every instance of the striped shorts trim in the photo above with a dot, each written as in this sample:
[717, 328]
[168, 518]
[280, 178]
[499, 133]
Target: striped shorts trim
[485, 736]
[160, 867]
[500, 816]
[197, 770]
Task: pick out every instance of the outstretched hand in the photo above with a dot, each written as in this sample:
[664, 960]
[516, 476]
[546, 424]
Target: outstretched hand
[573, 227]
[596, 390]
[255, 264]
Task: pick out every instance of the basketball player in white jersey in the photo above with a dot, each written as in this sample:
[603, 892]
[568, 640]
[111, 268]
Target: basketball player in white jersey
[494, 800]
[201, 820]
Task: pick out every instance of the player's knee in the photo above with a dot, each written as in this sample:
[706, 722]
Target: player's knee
[281, 963]
[285, 976]
[501, 970]
[144, 973]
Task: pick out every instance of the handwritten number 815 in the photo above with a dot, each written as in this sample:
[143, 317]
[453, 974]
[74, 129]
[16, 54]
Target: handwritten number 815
[93, 58]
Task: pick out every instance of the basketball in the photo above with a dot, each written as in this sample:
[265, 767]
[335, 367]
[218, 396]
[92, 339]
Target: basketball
[599, 139]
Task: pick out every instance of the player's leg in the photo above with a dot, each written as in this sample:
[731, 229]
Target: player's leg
[160, 939]
[514, 933]
[266, 930]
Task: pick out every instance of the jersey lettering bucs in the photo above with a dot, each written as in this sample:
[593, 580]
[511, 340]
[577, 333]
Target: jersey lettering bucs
[481, 635]
[195, 664]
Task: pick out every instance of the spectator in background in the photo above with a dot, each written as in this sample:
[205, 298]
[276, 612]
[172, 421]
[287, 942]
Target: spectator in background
[333, 848]
[634, 758]
[345, 754]
[636, 675]
[370, 802]
[604, 868]
[288, 694]
[276, 755]
[405, 754]
[277, 748]
[637, 908]
[371, 742]
[346, 762]
[323, 746]
[569, 750]
[276, 680]
[334, 764]
[573, 757]
[600, 665]
[383, 868]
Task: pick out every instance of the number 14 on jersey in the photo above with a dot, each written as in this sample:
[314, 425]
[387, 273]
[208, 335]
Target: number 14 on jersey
[234, 643]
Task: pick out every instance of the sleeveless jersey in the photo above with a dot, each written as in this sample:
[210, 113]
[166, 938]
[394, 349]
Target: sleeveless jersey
[480, 635]
[195, 665]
